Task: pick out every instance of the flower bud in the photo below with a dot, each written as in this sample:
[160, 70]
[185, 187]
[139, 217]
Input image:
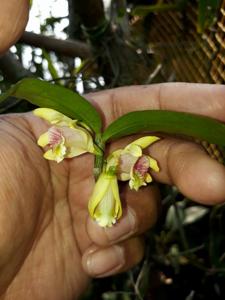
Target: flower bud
[104, 205]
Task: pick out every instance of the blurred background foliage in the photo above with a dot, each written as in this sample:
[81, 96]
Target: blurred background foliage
[91, 45]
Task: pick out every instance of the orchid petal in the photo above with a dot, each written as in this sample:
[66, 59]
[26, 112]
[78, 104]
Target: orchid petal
[99, 190]
[105, 213]
[53, 116]
[43, 140]
[148, 178]
[153, 164]
[115, 189]
[126, 163]
[133, 149]
[78, 141]
[145, 141]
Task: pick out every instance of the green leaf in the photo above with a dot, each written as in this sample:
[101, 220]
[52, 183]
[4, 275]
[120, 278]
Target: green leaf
[207, 13]
[144, 10]
[195, 126]
[45, 94]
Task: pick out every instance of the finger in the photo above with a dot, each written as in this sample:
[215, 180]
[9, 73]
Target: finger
[186, 165]
[18, 12]
[139, 215]
[102, 262]
[205, 99]
[189, 167]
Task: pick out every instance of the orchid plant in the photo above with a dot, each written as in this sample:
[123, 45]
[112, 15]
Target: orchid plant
[75, 128]
[67, 138]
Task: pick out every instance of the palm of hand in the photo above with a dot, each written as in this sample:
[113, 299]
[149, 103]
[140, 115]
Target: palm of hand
[44, 218]
[43, 206]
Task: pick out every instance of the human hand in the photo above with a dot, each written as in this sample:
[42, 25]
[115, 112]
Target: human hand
[45, 242]
[13, 19]
[49, 247]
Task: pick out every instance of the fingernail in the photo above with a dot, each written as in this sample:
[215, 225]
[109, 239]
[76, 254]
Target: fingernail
[124, 228]
[105, 262]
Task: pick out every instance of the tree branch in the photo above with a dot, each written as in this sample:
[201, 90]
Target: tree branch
[68, 47]
[74, 28]
[13, 71]
[12, 68]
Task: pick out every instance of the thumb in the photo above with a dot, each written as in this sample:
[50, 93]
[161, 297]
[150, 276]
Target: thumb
[13, 19]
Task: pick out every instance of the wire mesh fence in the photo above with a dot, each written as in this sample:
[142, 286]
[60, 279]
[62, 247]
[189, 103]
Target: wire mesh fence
[186, 54]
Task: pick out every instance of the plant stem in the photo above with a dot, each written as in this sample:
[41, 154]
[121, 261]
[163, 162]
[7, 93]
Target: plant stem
[99, 159]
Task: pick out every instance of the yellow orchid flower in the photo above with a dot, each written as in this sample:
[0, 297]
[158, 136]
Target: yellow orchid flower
[65, 138]
[131, 164]
[104, 205]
